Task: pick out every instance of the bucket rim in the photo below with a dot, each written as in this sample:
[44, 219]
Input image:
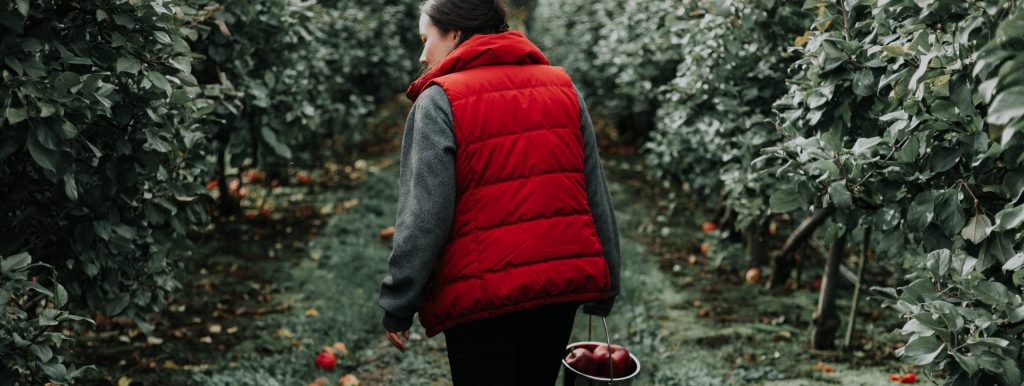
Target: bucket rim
[591, 377]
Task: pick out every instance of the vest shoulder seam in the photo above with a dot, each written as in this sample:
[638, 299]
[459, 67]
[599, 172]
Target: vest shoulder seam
[508, 224]
[543, 128]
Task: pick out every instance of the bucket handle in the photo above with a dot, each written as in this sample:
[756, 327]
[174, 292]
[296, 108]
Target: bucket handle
[590, 330]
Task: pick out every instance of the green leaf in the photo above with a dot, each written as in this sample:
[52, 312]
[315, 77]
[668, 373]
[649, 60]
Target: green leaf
[128, 64]
[948, 213]
[1009, 218]
[66, 81]
[47, 158]
[863, 145]
[56, 371]
[42, 352]
[1013, 185]
[271, 138]
[48, 317]
[909, 152]
[921, 350]
[967, 361]
[1015, 262]
[921, 211]
[162, 37]
[16, 115]
[1007, 106]
[938, 263]
[918, 291]
[60, 297]
[864, 83]
[160, 81]
[102, 229]
[839, 195]
[992, 293]
[977, 229]
[23, 7]
[70, 188]
[14, 263]
[943, 158]
[38, 288]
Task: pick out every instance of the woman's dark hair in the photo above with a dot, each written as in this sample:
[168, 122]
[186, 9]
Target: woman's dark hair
[470, 17]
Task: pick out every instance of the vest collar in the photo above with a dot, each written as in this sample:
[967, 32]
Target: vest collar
[511, 47]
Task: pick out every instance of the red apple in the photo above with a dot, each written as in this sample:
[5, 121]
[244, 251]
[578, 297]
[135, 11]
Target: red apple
[753, 275]
[622, 364]
[326, 360]
[581, 359]
[709, 227]
[909, 378]
[601, 364]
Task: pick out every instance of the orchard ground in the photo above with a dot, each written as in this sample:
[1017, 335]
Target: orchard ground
[267, 292]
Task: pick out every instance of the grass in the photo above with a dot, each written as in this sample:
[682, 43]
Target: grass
[265, 295]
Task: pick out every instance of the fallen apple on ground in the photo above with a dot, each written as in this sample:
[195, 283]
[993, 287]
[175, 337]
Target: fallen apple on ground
[753, 275]
[326, 360]
[348, 380]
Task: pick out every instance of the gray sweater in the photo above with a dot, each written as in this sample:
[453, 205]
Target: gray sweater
[426, 203]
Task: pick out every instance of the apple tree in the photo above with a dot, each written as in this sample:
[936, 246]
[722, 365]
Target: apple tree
[901, 120]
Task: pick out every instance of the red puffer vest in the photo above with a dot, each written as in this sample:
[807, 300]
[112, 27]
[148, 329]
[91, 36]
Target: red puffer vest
[523, 235]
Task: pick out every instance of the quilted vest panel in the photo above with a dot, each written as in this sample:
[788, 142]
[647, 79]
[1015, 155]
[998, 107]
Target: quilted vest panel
[523, 234]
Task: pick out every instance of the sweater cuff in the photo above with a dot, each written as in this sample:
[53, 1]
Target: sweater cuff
[395, 323]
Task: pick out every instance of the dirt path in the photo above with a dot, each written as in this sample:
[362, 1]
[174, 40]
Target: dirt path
[689, 326]
[657, 318]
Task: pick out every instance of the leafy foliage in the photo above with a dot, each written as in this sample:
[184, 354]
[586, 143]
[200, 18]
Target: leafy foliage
[902, 116]
[716, 114]
[618, 51]
[100, 152]
[113, 112]
[30, 313]
[286, 75]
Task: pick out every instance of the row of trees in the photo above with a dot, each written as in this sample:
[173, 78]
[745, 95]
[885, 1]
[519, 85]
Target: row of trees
[892, 118]
[115, 113]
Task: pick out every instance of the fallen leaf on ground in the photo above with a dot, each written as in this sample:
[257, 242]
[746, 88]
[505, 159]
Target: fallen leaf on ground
[348, 380]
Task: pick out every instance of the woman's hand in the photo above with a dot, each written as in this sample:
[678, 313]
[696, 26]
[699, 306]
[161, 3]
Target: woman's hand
[398, 339]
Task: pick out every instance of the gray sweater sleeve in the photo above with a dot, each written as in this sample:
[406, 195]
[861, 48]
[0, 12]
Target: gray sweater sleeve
[599, 199]
[426, 204]
[426, 201]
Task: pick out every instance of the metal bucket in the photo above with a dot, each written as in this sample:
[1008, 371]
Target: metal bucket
[576, 378]
[572, 377]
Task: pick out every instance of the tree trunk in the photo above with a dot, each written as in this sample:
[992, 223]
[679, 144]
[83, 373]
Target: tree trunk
[825, 322]
[757, 243]
[856, 288]
[229, 206]
[782, 263]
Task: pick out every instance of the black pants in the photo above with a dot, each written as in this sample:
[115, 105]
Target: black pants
[523, 348]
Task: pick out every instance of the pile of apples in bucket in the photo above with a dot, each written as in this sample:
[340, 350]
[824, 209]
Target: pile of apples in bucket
[593, 359]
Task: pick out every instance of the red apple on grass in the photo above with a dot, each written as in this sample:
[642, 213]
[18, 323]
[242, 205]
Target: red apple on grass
[326, 360]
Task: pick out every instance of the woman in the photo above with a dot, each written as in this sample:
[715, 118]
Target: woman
[505, 225]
